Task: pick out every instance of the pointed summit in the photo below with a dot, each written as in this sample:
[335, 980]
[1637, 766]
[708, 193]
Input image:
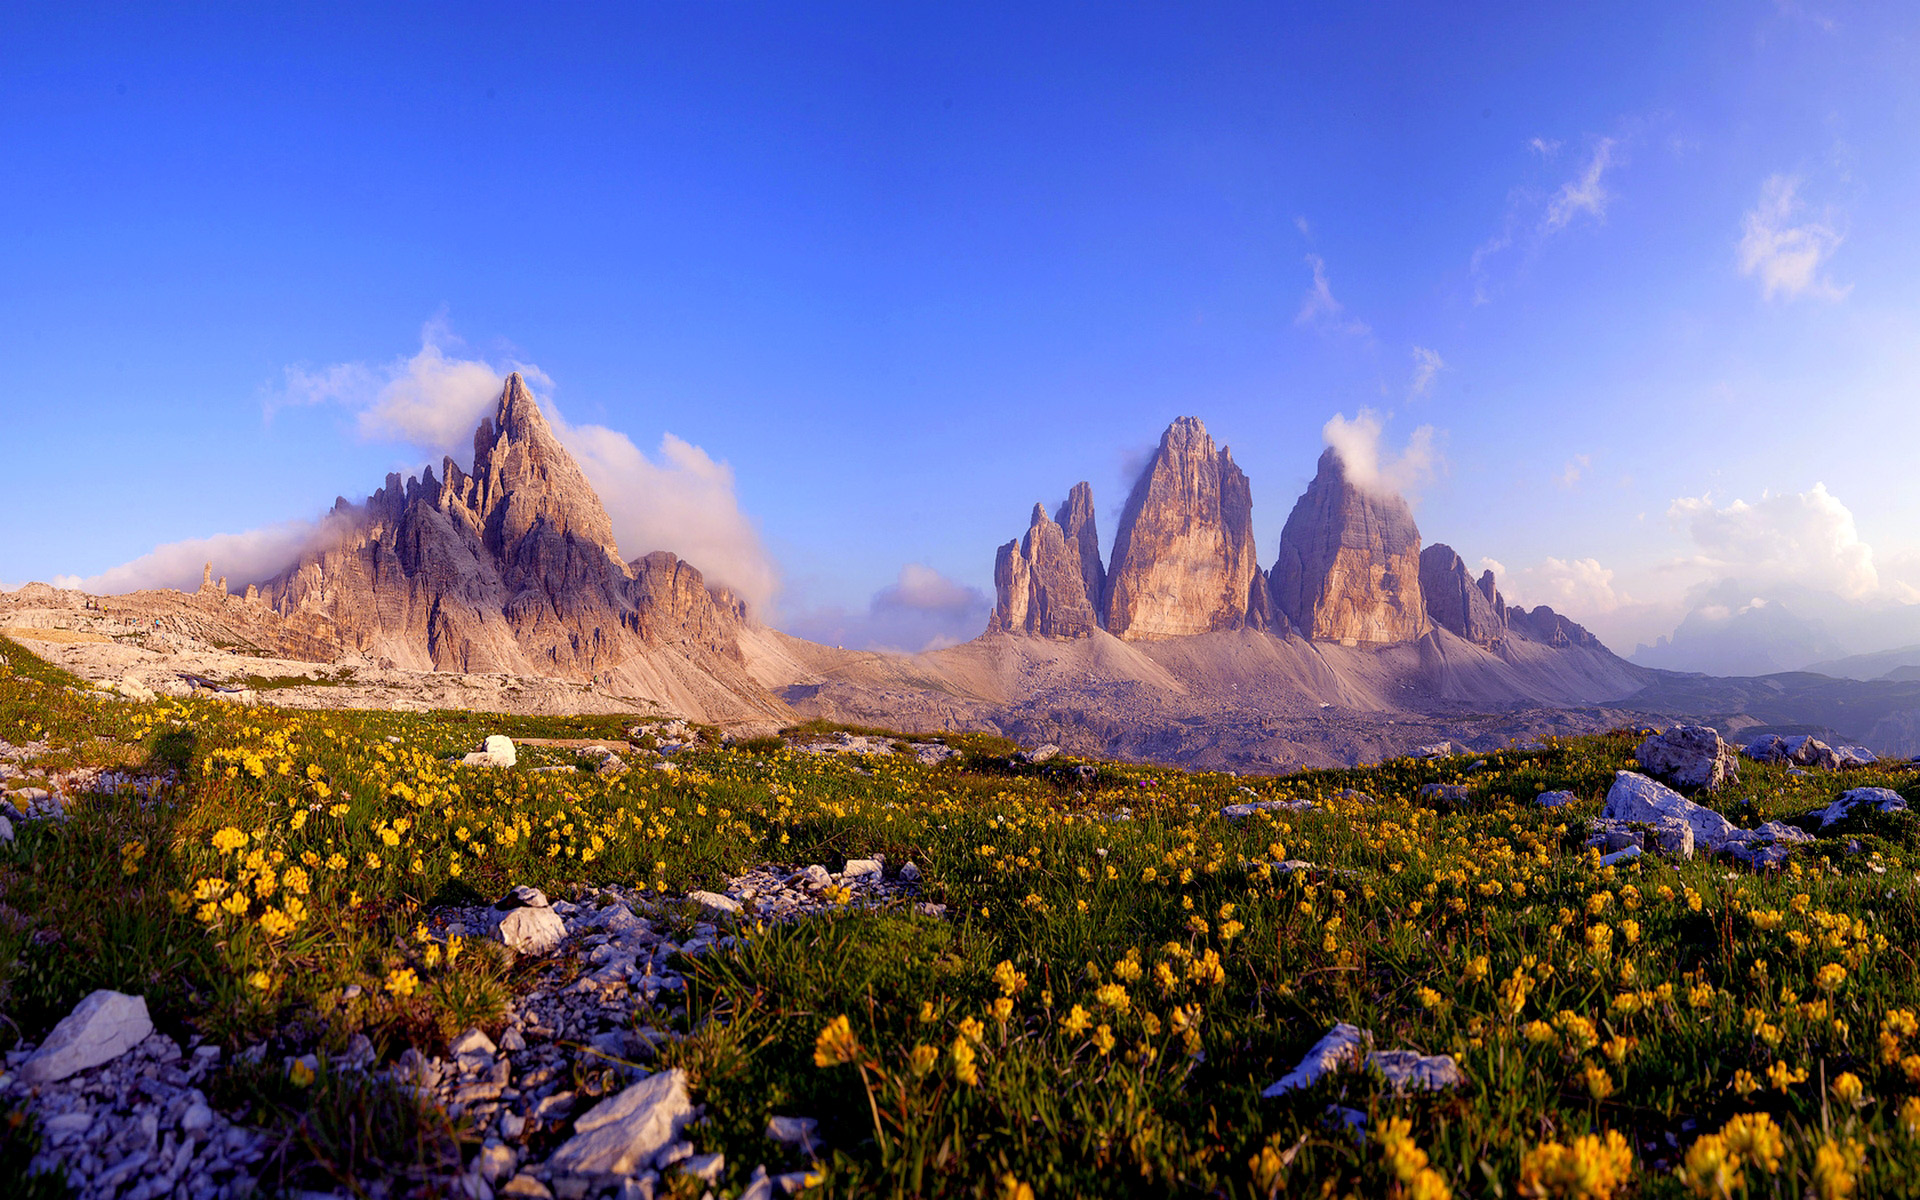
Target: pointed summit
[1038, 585]
[523, 478]
[1184, 559]
[1349, 567]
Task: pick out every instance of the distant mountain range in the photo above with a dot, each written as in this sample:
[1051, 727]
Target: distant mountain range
[1357, 643]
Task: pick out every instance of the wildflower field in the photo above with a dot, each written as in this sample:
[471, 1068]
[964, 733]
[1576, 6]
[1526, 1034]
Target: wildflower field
[1120, 970]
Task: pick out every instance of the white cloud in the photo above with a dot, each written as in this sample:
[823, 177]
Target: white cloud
[1357, 442]
[1427, 364]
[1578, 587]
[1575, 468]
[680, 499]
[432, 400]
[1805, 538]
[921, 610]
[1584, 193]
[250, 557]
[1786, 258]
[1321, 311]
[1545, 147]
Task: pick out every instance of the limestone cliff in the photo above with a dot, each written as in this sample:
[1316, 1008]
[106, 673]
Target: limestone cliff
[1039, 585]
[1075, 519]
[1349, 565]
[1457, 603]
[1184, 559]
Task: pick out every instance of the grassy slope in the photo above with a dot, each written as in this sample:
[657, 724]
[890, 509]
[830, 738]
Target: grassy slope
[1576, 998]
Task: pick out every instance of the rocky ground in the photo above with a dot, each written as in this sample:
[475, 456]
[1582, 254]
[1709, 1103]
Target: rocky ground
[125, 1112]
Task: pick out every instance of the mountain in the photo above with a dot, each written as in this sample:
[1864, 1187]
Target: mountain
[1757, 637]
[1349, 566]
[513, 568]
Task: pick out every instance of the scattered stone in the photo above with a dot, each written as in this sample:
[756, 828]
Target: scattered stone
[715, 902]
[1855, 756]
[527, 1187]
[797, 1132]
[1689, 756]
[100, 1029]
[1236, 812]
[909, 872]
[1801, 751]
[1554, 799]
[522, 897]
[707, 1168]
[6, 830]
[857, 867]
[1435, 750]
[1042, 754]
[1884, 800]
[1443, 791]
[622, 1135]
[1636, 798]
[1408, 1070]
[1620, 856]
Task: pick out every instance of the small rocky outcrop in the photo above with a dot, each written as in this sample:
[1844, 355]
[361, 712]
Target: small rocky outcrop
[1637, 800]
[1184, 559]
[1348, 1047]
[1349, 565]
[1856, 800]
[1456, 601]
[1040, 585]
[1803, 750]
[1690, 756]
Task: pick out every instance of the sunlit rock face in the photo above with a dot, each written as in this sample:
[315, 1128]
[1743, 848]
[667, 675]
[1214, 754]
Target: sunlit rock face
[1349, 565]
[1184, 559]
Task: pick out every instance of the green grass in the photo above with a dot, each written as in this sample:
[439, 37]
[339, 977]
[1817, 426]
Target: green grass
[1105, 999]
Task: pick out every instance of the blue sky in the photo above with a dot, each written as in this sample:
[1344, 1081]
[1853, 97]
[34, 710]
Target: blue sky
[891, 273]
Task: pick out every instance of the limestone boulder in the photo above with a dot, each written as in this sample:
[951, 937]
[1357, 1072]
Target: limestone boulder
[1640, 800]
[1859, 800]
[1691, 756]
[624, 1134]
[100, 1029]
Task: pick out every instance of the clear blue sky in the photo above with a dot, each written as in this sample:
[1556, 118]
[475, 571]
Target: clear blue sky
[909, 268]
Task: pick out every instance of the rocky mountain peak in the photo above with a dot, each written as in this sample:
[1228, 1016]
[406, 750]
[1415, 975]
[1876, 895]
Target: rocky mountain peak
[524, 480]
[1457, 603]
[1039, 588]
[1349, 565]
[1184, 560]
[1075, 519]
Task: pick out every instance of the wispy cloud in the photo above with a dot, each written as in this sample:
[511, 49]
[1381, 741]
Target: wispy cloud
[1787, 258]
[1584, 193]
[1321, 311]
[1575, 468]
[1427, 365]
[1369, 464]
[1545, 147]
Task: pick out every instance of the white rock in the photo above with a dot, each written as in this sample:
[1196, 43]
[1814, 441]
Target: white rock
[1634, 797]
[197, 1117]
[1620, 856]
[6, 830]
[1673, 838]
[1690, 756]
[857, 867]
[531, 930]
[1884, 800]
[494, 1160]
[909, 872]
[1554, 799]
[1044, 753]
[622, 1135]
[813, 876]
[1343, 1046]
[497, 751]
[99, 1029]
[794, 1131]
[715, 902]
[707, 1168]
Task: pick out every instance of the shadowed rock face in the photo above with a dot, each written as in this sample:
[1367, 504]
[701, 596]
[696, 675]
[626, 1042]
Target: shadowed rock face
[1349, 566]
[1457, 603]
[1184, 559]
[1039, 587]
[1075, 519]
[511, 568]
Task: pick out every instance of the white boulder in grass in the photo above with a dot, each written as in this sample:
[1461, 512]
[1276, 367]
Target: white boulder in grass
[1854, 800]
[1636, 798]
[622, 1135]
[1346, 1047]
[497, 751]
[99, 1029]
[531, 930]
